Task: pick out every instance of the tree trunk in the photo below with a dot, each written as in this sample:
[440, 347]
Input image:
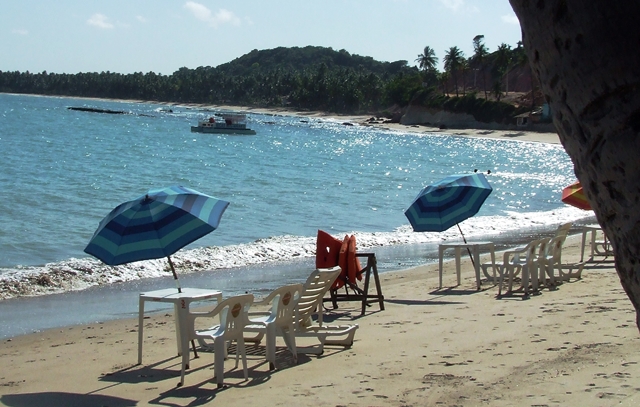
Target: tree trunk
[585, 55]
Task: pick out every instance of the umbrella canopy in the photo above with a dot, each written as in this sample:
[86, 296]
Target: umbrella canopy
[448, 202]
[155, 225]
[574, 195]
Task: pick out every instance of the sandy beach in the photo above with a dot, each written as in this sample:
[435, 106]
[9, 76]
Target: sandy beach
[575, 345]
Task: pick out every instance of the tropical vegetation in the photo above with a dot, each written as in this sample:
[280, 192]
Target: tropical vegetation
[307, 78]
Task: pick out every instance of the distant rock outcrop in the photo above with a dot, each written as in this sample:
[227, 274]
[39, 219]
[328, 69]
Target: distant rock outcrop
[96, 110]
[445, 119]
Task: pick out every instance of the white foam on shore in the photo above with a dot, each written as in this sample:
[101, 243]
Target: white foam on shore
[78, 274]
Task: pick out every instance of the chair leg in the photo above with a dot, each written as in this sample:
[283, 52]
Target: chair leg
[219, 354]
[290, 339]
[243, 353]
[271, 346]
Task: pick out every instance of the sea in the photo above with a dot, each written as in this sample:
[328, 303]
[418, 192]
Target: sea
[63, 170]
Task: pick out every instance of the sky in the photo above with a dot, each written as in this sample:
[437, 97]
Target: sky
[162, 36]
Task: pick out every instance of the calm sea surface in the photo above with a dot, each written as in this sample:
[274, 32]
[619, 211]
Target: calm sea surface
[63, 170]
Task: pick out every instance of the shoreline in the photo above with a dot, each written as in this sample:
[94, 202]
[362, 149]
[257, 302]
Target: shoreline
[363, 120]
[454, 346]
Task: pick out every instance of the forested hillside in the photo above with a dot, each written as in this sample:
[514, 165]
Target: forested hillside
[307, 78]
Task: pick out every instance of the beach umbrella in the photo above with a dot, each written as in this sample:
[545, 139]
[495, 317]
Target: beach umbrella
[448, 202]
[155, 225]
[574, 195]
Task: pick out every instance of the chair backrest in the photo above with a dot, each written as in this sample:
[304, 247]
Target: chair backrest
[234, 315]
[555, 249]
[533, 248]
[313, 292]
[563, 230]
[283, 303]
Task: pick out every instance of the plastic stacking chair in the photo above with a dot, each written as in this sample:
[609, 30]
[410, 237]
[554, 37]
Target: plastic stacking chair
[234, 316]
[524, 262]
[552, 262]
[278, 321]
[310, 305]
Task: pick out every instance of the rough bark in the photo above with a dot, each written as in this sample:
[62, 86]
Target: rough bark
[586, 55]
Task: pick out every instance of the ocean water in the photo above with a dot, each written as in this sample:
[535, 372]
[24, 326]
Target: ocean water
[62, 171]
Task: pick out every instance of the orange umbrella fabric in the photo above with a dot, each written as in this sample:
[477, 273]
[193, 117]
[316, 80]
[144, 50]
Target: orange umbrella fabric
[574, 196]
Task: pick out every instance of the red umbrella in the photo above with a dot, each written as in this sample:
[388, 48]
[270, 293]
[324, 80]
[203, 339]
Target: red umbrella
[574, 196]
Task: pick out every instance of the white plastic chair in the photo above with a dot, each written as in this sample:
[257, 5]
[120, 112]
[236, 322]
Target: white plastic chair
[553, 261]
[277, 321]
[234, 316]
[521, 261]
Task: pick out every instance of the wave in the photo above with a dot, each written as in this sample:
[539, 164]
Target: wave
[78, 274]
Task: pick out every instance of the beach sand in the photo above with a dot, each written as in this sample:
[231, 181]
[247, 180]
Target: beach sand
[573, 346]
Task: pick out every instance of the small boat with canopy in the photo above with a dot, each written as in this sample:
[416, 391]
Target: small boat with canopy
[224, 123]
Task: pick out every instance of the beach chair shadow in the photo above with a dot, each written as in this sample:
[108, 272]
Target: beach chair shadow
[453, 290]
[150, 373]
[54, 398]
[424, 302]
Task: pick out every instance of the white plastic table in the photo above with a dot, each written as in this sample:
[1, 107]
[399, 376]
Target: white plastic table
[594, 229]
[475, 250]
[181, 303]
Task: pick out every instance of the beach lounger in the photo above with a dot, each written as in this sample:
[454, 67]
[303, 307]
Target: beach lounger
[310, 305]
[233, 316]
[278, 321]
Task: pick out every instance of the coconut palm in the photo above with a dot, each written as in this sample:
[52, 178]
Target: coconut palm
[503, 62]
[443, 78]
[427, 61]
[452, 61]
[479, 59]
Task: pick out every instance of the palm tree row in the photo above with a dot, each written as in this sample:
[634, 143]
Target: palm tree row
[457, 67]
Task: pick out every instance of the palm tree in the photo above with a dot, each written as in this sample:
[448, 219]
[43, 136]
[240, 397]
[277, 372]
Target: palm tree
[464, 68]
[521, 59]
[480, 52]
[503, 60]
[427, 61]
[443, 78]
[452, 61]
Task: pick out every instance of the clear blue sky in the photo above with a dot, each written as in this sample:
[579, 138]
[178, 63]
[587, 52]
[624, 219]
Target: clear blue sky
[125, 36]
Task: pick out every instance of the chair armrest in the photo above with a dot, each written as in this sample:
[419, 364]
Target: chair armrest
[513, 254]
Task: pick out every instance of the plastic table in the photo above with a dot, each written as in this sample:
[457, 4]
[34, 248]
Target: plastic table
[474, 247]
[594, 229]
[181, 302]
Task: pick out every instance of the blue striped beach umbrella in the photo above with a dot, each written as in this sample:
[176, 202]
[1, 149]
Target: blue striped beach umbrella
[448, 202]
[155, 225]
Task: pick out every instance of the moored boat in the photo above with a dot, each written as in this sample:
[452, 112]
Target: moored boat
[226, 123]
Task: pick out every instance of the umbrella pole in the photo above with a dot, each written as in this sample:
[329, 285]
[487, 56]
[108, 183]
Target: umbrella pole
[465, 242]
[175, 276]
